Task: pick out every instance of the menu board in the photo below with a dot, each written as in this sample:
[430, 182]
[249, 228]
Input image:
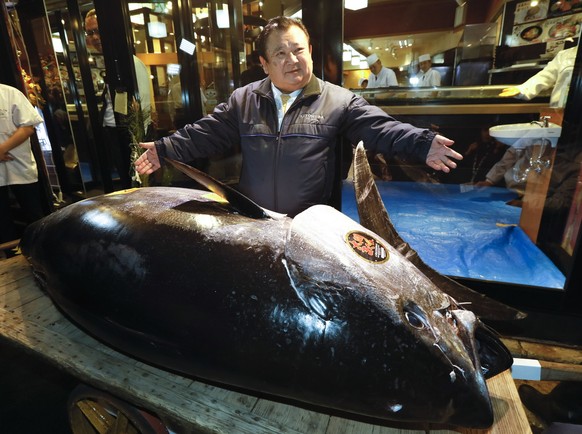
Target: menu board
[551, 29]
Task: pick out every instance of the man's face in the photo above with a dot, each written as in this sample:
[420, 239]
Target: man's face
[289, 63]
[92, 36]
[376, 67]
[424, 66]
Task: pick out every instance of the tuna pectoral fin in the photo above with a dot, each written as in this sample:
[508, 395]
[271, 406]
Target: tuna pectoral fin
[373, 216]
[237, 200]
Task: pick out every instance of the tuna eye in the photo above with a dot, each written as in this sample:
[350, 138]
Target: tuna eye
[414, 319]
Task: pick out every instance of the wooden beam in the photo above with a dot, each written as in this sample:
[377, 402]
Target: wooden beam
[9, 245]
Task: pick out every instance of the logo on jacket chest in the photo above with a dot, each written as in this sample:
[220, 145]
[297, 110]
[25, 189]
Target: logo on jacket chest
[310, 118]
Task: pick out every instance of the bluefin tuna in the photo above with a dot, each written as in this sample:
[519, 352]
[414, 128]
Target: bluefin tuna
[317, 308]
[373, 215]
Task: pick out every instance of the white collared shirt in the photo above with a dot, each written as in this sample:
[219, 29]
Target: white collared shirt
[277, 94]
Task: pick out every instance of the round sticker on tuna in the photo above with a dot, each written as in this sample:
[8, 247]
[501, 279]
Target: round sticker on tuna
[367, 247]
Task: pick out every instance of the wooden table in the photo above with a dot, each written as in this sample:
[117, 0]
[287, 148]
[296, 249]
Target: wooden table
[29, 318]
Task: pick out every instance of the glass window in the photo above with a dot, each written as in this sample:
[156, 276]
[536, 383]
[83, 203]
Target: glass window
[217, 63]
[66, 101]
[509, 214]
[155, 45]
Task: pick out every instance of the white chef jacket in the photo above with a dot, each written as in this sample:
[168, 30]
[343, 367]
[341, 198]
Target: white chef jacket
[16, 111]
[557, 73]
[385, 78]
[429, 78]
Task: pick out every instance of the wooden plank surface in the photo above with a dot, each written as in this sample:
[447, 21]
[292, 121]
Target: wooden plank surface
[537, 350]
[29, 318]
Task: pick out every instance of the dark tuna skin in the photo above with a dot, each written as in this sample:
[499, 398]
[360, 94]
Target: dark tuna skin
[275, 305]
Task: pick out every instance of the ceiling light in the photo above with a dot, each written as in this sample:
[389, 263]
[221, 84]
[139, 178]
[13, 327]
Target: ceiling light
[354, 5]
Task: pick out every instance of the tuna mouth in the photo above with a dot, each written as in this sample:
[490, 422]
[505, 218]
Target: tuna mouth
[472, 404]
[494, 357]
[489, 355]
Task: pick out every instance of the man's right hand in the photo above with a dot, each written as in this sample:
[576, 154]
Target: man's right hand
[148, 162]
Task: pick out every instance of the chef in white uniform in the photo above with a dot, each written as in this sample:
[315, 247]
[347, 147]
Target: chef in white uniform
[18, 170]
[380, 75]
[427, 77]
[556, 74]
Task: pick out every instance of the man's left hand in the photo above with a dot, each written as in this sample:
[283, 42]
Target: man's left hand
[440, 154]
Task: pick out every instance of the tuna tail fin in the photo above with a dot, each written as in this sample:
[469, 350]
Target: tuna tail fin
[373, 216]
[237, 200]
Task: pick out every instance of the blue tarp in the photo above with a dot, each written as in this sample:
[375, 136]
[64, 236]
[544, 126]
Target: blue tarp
[464, 232]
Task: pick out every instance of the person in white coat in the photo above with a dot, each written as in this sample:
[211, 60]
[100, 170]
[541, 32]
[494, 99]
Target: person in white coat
[18, 171]
[380, 75]
[427, 77]
[556, 74]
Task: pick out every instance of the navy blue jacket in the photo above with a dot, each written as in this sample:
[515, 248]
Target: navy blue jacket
[290, 170]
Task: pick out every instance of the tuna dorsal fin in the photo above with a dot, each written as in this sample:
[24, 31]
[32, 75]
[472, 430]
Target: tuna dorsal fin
[373, 216]
[237, 200]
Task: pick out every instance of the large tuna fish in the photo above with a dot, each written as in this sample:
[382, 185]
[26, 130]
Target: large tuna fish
[317, 308]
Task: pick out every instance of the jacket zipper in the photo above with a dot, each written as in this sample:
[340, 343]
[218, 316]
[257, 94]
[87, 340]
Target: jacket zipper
[277, 154]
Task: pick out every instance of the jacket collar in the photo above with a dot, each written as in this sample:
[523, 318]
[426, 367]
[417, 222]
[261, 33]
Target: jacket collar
[312, 88]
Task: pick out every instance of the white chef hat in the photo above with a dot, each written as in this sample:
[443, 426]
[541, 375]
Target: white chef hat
[424, 58]
[361, 80]
[371, 59]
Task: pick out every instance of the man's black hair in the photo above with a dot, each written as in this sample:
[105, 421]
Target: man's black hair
[277, 24]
